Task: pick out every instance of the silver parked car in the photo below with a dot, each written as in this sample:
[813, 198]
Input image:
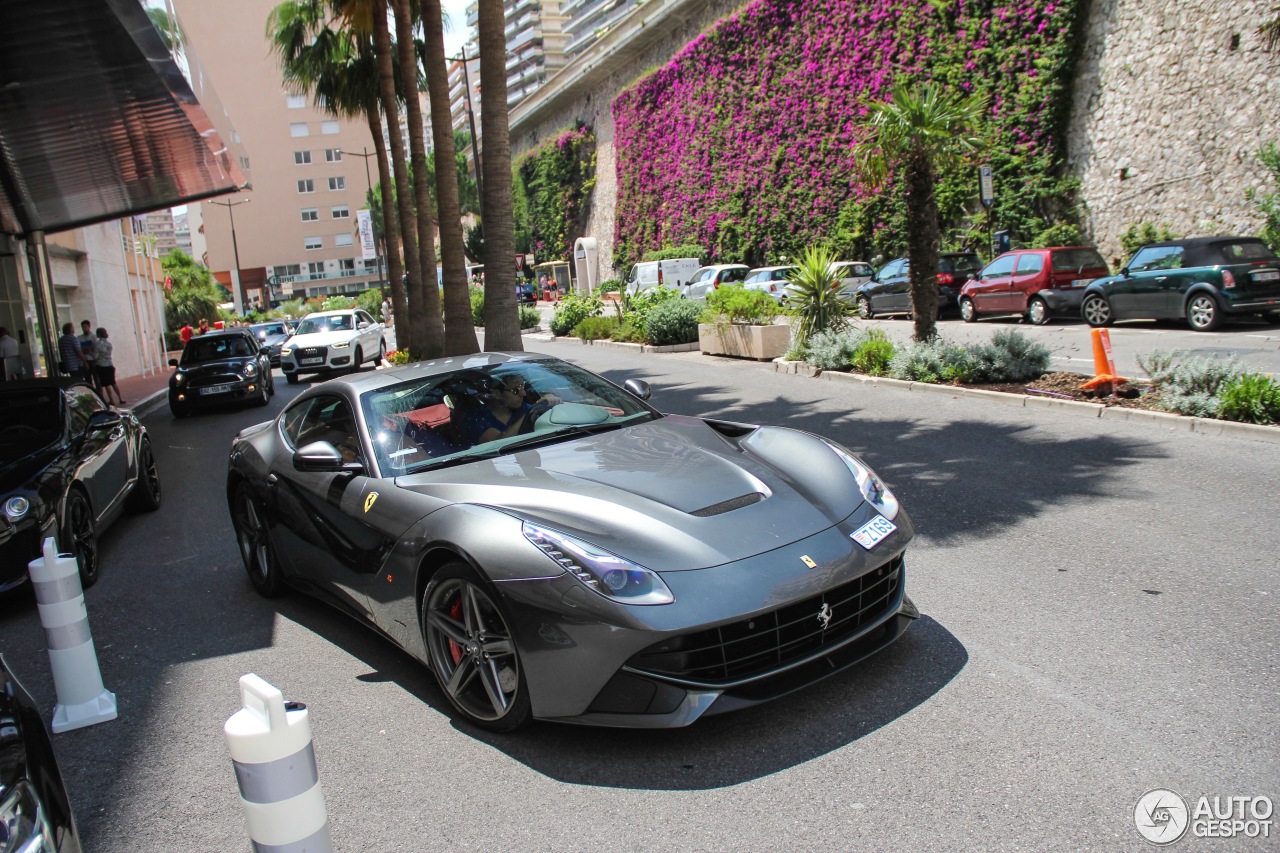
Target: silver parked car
[551, 546]
[770, 280]
[710, 278]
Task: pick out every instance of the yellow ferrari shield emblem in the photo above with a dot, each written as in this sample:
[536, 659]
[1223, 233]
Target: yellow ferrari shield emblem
[369, 501]
[808, 561]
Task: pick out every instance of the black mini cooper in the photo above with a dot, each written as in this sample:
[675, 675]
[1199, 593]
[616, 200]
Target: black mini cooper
[219, 368]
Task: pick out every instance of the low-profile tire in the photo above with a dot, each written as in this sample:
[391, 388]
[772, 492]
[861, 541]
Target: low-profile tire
[968, 312]
[1038, 312]
[1096, 310]
[80, 537]
[1204, 314]
[863, 305]
[264, 396]
[248, 516]
[472, 651]
[382, 352]
[357, 359]
[291, 378]
[145, 496]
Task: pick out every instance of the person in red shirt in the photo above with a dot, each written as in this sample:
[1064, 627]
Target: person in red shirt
[185, 333]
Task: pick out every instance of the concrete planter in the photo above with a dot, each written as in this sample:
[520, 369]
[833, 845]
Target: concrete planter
[758, 342]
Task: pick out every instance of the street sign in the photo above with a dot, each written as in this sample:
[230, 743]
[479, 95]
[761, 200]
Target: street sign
[987, 186]
[368, 249]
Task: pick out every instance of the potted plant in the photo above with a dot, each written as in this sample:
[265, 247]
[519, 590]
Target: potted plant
[739, 322]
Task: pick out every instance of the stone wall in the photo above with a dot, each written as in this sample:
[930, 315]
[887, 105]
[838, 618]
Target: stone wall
[1172, 100]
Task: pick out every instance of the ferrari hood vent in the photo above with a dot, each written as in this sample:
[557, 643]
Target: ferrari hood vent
[729, 505]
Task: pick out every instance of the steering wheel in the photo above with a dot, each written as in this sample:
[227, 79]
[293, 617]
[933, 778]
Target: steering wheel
[536, 411]
[19, 430]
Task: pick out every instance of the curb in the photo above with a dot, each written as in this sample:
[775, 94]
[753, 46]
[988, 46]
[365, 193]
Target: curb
[607, 344]
[150, 403]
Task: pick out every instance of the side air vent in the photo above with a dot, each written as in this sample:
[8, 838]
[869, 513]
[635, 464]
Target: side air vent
[731, 429]
[729, 505]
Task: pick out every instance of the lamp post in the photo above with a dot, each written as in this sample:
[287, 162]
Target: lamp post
[236, 297]
[369, 181]
[471, 119]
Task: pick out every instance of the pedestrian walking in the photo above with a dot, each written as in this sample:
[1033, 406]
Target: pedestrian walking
[106, 368]
[70, 361]
[87, 344]
[203, 326]
[9, 367]
[185, 333]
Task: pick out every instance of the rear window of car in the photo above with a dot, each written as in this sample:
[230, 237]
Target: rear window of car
[1246, 250]
[1066, 260]
[959, 264]
[733, 275]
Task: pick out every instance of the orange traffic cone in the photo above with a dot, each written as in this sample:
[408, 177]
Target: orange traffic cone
[1105, 380]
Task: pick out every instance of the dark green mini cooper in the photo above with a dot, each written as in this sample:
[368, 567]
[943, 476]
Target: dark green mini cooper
[1201, 279]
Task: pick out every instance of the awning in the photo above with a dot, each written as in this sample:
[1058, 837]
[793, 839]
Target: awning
[96, 120]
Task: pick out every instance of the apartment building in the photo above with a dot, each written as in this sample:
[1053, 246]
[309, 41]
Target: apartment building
[535, 44]
[161, 230]
[585, 21]
[294, 233]
[464, 88]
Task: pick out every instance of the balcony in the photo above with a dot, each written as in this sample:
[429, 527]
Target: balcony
[339, 275]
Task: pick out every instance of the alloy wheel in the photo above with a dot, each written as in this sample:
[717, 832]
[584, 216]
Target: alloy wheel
[1202, 313]
[1096, 311]
[473, 654]
[864, 308]
[146, 493]
[1038, 312]
[255, 545]
[968, 312]
[82, 537]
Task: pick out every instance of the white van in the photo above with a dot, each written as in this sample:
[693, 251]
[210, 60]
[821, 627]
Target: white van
[673, 272]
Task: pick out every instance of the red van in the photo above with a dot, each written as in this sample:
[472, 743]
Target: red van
[1036, 283]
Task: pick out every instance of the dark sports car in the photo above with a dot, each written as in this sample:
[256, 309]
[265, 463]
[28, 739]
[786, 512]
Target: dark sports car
[69, 466]
[219, 368]
[35, 811]
[553, 547]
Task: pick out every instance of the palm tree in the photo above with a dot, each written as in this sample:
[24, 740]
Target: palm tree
[338, 68]
[501, 320]
[918, 131]
[432, 343]
[1270, 31]
[813, 294]
[459, 331]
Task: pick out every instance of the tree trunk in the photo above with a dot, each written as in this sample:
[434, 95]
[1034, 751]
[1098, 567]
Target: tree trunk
[459, 330]
[432, 342]
[922, 244]
[413, 320]
[501, 318]
[390, 228]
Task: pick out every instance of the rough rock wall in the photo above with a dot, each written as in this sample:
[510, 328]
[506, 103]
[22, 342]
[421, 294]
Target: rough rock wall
[1172, 100]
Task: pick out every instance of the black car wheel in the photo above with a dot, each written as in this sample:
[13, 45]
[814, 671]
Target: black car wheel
[291, 378]
[472, 651]
[1038, 312]
[1203, 313]
[1096, 311]
[264, 396]
[145, 496]
[79, 536]
[357, 361]
[382, 353]
[968, 312]
[256, 550]
[864, 308]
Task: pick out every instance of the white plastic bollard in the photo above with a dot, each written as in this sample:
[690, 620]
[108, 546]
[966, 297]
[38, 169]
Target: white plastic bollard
[275, 767]
[82, 700]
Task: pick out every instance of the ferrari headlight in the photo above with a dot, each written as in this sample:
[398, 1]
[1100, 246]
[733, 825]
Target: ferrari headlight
[286, 350]
[872, 487]
[341, 345]
[16, 507]
[250, 368]
[601, 572]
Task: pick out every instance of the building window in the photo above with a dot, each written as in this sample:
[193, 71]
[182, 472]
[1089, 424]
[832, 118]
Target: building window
[306, 185]
[313, 242]
[310, 214]
[287, 269]
[333, 155]
[348, 265]
[329, 128]
[295, 102]
[338, 183]
[299, 128]
[342, 239]
[301, 158]
[341, 212]
[315, 268]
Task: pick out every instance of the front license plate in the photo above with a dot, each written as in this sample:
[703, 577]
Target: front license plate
[311, 360]
[217, 389]
[873, 532]
[1266, 275]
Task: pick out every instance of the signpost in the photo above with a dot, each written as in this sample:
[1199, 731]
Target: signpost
[987, 194]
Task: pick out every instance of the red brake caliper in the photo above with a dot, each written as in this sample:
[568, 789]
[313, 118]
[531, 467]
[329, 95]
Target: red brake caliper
[455, 613]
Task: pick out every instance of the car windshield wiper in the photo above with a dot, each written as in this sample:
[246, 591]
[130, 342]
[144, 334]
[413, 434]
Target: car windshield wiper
[551, 437]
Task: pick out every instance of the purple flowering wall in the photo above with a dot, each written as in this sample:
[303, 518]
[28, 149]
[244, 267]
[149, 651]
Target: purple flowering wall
[743, 143]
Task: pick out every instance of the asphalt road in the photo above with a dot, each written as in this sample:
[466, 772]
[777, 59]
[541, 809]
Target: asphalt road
[1100, 619]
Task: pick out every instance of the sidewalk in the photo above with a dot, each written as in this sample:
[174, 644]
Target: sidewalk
[140, 392]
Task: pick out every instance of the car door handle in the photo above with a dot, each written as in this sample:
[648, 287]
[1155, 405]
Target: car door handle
[272, 478]
[1162, 278]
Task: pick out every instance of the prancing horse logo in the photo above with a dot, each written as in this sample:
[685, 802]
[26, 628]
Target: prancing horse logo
[369, 500]
[824, 615]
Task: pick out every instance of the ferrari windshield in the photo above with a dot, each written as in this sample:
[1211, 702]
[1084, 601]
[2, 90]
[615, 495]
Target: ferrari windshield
[474, 413]
[330, 323]
[30, 419]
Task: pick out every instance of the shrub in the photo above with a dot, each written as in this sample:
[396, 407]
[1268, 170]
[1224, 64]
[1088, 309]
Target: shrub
[172, 341]
[736, 304]
[674, 321]
[1010, 357]
[572, 310]
[1252, 398]
[832, 349]
[399, 356]
[337, 303]
[814, 295]
[595, 328]
[935, 360]
[613, 285]
[1140, 234]
[530, 317]
[630, 332]
[1190, 386]
[477, 304]
[686, 251]
[371, 302]
[874, 355]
